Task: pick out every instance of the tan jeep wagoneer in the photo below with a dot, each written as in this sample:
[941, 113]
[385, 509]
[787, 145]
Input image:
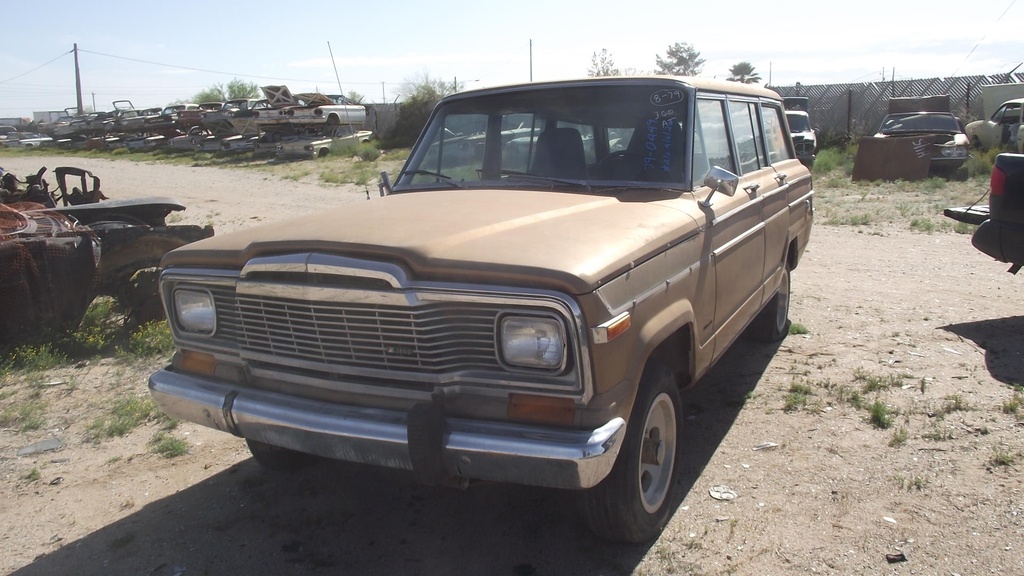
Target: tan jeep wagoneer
[553, 263]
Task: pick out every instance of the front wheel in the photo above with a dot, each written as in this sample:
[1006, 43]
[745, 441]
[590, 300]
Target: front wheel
[634, 503]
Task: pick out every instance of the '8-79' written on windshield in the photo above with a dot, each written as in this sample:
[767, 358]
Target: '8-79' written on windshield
[658, 142]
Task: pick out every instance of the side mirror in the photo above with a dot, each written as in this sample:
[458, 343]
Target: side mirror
[720, 180]
[385, 184]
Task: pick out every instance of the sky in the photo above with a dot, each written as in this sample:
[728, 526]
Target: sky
[157, 53]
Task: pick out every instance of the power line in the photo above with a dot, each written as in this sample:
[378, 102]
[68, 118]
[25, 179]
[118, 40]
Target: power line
[36, 68]
[194, 69]
[211, 71]
[969, 54]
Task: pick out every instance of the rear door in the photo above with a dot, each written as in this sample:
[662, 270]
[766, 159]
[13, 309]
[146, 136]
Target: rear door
[735, 232]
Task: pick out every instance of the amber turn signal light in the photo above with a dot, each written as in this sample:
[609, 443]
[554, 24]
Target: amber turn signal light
[197, 362]
[541, 409]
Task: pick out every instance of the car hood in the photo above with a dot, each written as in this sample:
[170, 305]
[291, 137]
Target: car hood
[563, 241]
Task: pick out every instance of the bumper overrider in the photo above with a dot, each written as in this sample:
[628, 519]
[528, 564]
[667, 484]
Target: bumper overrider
[1001, 240]
[435, 447]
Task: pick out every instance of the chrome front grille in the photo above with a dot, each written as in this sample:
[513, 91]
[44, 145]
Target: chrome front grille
[428, 338]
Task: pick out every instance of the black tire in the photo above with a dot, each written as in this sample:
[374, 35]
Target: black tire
[634, 503]
[772, 323]
[278, 459]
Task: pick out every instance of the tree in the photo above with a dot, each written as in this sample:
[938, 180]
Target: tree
[682, 59]
[744, 73]
[355, 97]
[234, 90]
[602, 65]
[419, 96]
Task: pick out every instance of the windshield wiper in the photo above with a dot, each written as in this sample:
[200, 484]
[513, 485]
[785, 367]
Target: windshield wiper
[442, 177]
[537, 178]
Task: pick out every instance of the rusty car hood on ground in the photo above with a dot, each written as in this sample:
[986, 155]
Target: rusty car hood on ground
[570, 242]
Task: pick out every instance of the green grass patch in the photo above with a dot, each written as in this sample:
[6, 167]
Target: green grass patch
[1001, 456]
[795, 328]
[922, 225]
[874, 382]
[32, 475]
[953, 403]
[899, 437]
[167, 445]
[126, 414]
[796, 399]
[27, 415]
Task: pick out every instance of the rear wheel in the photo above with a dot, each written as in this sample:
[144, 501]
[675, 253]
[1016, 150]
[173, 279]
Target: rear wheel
[278, 459]
[634, 503]
[772, 323]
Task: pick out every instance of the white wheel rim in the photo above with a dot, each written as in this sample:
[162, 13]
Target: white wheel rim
[657, 453]
[782, 312]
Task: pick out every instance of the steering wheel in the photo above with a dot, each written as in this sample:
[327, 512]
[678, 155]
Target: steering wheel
[612, 165]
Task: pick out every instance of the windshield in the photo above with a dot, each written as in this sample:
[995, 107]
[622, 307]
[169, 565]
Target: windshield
[798, 122]
[922, 122]
[571, 137]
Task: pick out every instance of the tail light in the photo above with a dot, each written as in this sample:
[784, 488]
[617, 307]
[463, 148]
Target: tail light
[998, 181]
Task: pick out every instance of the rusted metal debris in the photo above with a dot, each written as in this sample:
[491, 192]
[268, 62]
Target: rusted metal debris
[61, 248]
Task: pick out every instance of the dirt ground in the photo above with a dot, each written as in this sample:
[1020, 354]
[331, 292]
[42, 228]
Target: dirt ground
[918, 325]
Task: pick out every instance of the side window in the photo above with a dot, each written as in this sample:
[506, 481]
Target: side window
[775, 136]
[747, 132]
[710, 139]
[518, 137]
[1011, 114]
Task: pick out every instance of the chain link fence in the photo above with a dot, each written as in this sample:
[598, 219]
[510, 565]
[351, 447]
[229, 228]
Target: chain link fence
[843, 112]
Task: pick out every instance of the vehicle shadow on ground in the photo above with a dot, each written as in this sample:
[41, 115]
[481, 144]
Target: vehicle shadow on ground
[338, 518]
[1003, 342]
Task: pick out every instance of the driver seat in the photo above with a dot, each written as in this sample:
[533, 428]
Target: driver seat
[560, 154]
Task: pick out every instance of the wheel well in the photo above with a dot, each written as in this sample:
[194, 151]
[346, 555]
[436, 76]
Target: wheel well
[676, 352]
[792, 255]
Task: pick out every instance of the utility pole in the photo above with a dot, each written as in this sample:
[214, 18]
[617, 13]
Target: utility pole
[78, 80]
[531, 59]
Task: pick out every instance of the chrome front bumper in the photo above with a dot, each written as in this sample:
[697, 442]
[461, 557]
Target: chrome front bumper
[470, 449]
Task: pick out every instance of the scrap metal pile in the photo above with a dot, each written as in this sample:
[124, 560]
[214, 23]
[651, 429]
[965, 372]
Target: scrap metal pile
[245, 124]
[61, 248]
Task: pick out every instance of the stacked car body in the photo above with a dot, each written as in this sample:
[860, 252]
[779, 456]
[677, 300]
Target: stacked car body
[233, 125]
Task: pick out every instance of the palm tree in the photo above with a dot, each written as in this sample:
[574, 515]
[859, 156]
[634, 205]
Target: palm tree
[744, 73]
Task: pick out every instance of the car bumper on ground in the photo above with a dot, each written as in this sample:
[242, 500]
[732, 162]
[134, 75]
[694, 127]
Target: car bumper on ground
[469, 449]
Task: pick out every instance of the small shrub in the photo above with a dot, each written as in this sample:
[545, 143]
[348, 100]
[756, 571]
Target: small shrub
[367, 152]
[32, 475]
[34, 358]
[899, 437]
[874, 382]
[954, 403]
[1003, 457]
[167, 445]
[1012, 406]
[880, 415]
[797, 397]
[796, 328]
[152, 339]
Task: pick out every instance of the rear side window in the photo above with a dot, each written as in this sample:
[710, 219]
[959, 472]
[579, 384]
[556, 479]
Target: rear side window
[775, 136]
[710, 139]
[747, 131]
